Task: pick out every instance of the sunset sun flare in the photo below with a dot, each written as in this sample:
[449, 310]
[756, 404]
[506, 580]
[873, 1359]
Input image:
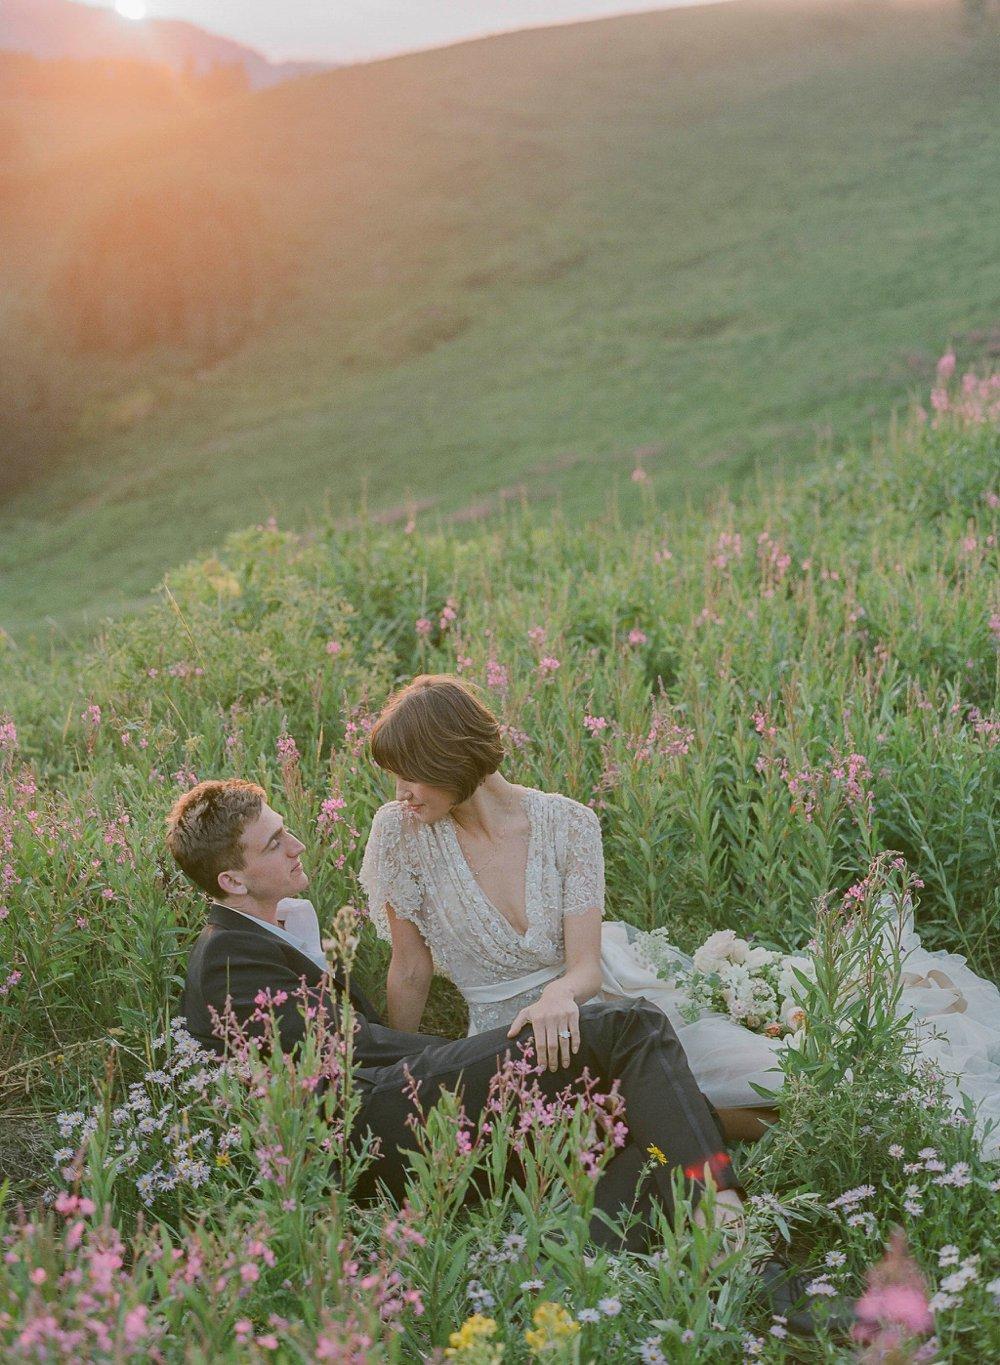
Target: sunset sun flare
[131, 9]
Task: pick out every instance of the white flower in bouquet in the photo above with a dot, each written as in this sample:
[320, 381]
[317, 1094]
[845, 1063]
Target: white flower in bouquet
[737, 1005]
[735, 976]
[793, 1016]
[788, 982]
[720, 948]
[753, 985]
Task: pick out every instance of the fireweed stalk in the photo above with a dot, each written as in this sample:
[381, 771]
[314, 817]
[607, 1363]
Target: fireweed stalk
[525, 1153]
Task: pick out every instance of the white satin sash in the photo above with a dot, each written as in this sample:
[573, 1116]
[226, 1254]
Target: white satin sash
[623, 974]
[496, 991]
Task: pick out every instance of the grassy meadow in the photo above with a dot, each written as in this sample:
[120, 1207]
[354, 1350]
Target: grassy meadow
[742, 658]
[724, 237]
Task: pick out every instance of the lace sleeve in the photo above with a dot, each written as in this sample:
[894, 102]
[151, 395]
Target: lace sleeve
[583, 871]
[386, 875]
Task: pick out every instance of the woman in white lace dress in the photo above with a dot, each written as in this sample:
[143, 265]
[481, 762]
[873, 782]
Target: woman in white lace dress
[500, 887]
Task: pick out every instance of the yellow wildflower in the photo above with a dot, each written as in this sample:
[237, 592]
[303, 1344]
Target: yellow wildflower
[657, 1154]
[470, 1342]
[552, 1325]
[223, 1159]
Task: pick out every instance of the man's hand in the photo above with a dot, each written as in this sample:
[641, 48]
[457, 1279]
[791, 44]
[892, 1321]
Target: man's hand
[555, 1020]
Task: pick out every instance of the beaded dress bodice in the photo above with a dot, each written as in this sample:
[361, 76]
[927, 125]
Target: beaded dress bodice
[421, 871]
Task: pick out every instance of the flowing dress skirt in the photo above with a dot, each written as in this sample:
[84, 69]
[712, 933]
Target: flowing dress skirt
[954, 1015]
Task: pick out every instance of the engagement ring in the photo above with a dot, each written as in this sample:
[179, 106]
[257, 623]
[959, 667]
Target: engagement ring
[565, 1033]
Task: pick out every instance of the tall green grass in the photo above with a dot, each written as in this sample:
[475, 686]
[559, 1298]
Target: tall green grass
[739, 660]
[757, 700]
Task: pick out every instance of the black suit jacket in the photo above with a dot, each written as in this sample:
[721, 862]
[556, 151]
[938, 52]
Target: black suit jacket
[236, 958]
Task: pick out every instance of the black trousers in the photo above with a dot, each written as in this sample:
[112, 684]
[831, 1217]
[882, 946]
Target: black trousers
[633, 1044]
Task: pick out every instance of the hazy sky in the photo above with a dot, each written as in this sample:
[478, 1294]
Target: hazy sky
[353, 29]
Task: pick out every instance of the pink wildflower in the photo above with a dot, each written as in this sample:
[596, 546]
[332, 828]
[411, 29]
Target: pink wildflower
[497, 676]
[895, 1300]
[761, 723]
[70, 1204]
[946, 366]
[288, 750]
[547, 665]
[8, 734]
[135, 1323]
[334, 647]
[729, 546]
[12, 980]
[520, 739]
[423, 626]
[637, 636]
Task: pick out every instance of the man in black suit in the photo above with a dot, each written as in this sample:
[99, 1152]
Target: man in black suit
[236, 848]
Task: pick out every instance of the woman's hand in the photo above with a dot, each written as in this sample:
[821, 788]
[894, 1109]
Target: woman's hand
[555, 1020]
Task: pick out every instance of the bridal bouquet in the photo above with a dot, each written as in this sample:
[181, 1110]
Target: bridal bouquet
[754, 986]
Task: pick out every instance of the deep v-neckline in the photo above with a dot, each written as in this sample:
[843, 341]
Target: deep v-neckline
[469, 875]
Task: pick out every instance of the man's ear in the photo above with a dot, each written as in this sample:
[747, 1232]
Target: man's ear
[232, 884]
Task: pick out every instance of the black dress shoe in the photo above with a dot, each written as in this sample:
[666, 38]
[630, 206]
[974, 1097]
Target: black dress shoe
[785, 1292]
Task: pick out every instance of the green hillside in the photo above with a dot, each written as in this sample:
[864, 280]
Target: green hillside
[765, 705]
[711, 235]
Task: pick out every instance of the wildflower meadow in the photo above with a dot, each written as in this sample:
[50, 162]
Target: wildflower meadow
[784, 710]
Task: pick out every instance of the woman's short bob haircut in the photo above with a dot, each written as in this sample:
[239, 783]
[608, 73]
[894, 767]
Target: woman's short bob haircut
[436, 730]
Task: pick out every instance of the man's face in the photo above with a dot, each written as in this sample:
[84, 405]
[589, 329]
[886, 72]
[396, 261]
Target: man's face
[271, 868]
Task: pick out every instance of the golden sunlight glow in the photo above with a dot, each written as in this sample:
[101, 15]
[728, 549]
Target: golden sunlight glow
[131, 9]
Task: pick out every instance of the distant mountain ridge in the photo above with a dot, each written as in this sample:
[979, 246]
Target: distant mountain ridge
[64, 28]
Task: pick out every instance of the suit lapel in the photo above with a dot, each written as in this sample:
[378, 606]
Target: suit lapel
[224, 918]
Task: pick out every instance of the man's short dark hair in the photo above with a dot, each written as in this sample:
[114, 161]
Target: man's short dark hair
[205, 828]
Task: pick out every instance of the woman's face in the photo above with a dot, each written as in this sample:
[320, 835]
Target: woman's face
[426, 803]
